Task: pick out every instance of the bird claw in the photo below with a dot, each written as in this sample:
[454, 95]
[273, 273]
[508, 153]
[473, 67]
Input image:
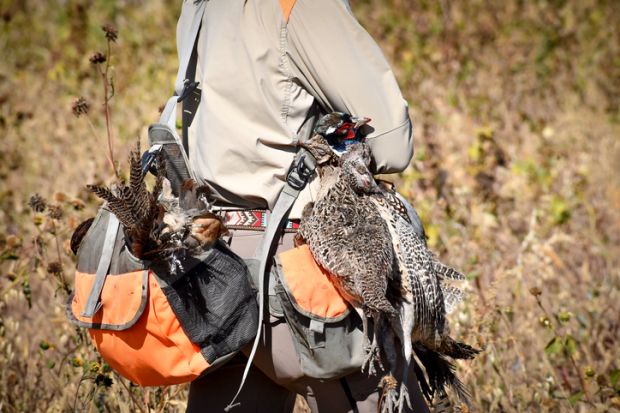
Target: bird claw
[390, 401]
[372, 360]
[403, 399]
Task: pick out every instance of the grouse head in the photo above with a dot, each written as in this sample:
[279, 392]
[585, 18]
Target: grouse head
[354, 164]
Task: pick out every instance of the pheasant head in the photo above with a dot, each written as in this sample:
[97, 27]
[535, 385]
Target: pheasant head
[320, 148]
[340, 129]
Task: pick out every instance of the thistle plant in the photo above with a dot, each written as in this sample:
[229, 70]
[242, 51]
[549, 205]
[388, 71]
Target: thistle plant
[102, 63]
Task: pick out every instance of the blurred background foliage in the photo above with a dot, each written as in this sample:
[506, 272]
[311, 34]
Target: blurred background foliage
[515, 106]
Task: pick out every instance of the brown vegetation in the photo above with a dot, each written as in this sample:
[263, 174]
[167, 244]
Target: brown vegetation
[516, 176]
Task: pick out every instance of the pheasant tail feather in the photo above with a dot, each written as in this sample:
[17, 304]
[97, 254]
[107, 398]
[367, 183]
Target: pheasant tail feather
[116, 205]
[444, 271]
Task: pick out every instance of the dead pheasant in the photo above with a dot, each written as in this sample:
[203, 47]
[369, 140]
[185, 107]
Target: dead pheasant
[417, 285]
[426, 293]
[330, 227]
[158, 225]
[348, 237]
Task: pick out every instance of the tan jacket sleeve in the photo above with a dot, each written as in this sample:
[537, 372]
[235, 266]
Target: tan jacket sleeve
[338, 62]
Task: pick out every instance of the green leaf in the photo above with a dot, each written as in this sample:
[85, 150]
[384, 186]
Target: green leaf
[9, 256]
[614, 377]
[472, 275]
[560, 212]
[106, 368]
[570, 345]
[554, 346]
[420, 154]
[575, 397]
[474, 152]
[485, 132]
[564, 316]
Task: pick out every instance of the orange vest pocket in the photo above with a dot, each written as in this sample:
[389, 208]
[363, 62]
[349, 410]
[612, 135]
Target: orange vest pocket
[152, 351]
[309, 284]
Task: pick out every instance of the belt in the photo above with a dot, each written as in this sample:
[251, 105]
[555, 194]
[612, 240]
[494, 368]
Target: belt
[253, 220]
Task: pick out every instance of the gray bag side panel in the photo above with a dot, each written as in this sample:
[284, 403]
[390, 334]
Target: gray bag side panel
[326, 349]
[92, 246]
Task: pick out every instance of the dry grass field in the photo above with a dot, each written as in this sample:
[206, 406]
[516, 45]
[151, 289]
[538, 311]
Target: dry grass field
[515, 106]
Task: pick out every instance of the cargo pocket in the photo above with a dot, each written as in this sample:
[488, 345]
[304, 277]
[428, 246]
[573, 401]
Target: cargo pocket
[327, 332]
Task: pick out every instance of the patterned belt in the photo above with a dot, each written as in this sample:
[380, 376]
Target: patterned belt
[253, 220]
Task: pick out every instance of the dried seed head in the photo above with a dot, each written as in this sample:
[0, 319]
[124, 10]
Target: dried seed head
[111, 32]
[103, 380]
[55, 211]
[37, 203]
[78, 204]
[97, 58]
[80, 106]
[535, 291]
[54, 267]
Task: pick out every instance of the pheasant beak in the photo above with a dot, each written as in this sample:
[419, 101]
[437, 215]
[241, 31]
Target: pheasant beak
[361, 122]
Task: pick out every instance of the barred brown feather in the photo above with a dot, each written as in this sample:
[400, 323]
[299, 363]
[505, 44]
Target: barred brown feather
[141, 202]
[116, 205]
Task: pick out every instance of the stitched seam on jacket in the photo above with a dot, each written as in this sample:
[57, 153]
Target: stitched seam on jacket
[283, 66]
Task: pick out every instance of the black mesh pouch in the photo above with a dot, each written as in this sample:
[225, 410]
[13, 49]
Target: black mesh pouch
[213, 301]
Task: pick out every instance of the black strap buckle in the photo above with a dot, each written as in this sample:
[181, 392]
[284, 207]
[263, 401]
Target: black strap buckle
[148, 159]
[300, 172]
[188, 88]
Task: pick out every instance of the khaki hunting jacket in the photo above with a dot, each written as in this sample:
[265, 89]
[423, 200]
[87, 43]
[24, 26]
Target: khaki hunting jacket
[261, 66]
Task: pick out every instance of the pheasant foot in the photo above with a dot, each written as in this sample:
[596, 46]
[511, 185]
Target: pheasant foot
[403, 398]
[389, 397]
[372, 359]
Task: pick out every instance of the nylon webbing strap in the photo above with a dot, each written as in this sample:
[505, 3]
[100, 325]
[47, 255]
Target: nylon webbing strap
[92, 303]
[300, 172]
[191, 98]
[349, 394]
[186, 52]
[168, 115]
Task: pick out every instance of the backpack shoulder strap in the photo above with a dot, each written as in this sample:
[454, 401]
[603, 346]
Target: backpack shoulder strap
[183, 85]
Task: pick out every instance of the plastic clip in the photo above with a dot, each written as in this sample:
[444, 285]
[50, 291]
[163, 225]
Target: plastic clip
[148, 159]
[300, 172]
[188, 88]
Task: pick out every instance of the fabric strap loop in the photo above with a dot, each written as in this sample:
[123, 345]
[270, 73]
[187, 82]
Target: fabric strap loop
[92, 303]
